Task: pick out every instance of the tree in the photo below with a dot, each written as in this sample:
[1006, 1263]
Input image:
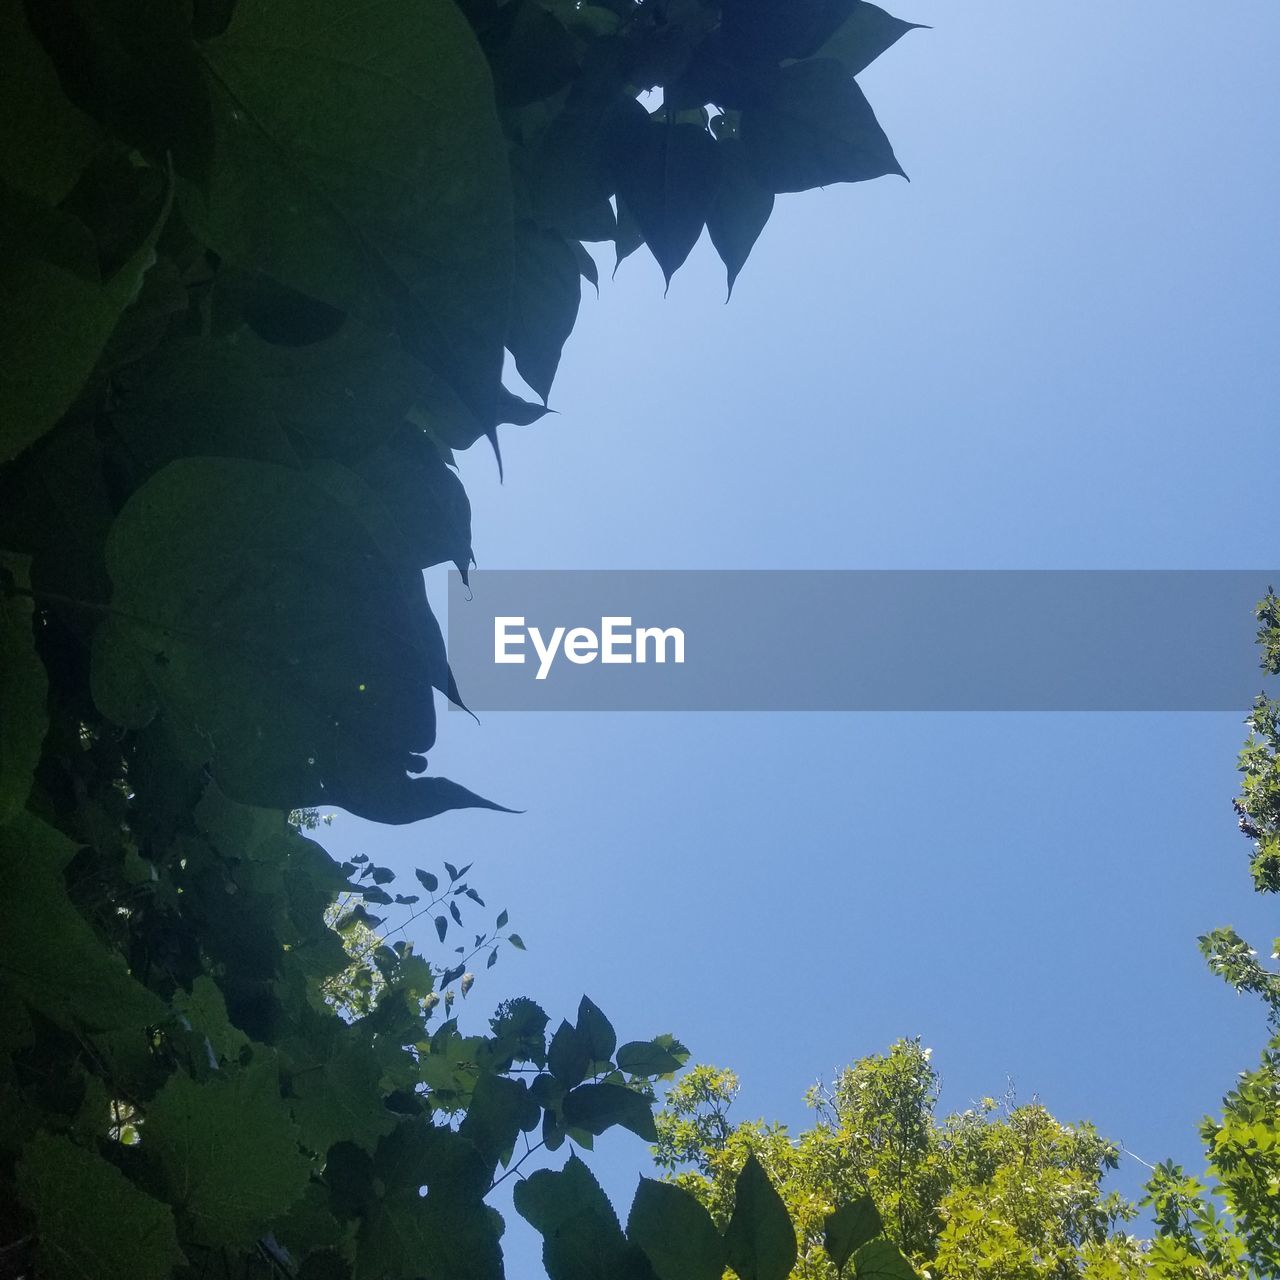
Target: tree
[259, 266]
[1004, 1190]
[1000, 1190]
[1242, 1146]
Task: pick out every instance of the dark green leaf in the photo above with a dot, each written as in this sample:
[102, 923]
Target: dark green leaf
[882, 1260]
[627, 238]
[500, 1110]
[228, 1152]
[581, 1236]
[741, 209]
[282, 645]
[676, 1233]
[501, 921]
[760, 1239]
[864, 35]
[596, 1031]
[49, 956]
[813, 128]
[669, 184]
[531, 55]
[441, 1234]
[56, 310]
[511, 408]
[648, 1058]
[410, 500]
[46, 142]
[587, 268]
[544, 304]
[131, 64]
[569, 1055]
[427, 880]
[333, 127]
[442, 927]
[338, 1098]
[849, 1228]
[597, 1107]
[24, 689]
[757, 33]
[91, 1220]
[516, 941]
[547, 1199]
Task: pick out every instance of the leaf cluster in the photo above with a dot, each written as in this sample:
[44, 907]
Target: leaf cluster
[261, 263]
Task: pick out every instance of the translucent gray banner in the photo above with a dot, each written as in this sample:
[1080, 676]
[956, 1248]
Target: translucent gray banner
[818, 640]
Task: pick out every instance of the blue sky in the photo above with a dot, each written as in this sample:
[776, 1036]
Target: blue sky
[1054, 348]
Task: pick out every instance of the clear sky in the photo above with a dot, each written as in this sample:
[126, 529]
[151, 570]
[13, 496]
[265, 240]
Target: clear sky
[1054, 348]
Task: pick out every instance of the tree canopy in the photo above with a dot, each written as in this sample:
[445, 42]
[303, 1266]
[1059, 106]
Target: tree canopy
[1003, 1190]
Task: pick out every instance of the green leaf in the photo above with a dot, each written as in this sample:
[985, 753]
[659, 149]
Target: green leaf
[814, 127]
[413, 504]
[24, 688]
[669, 180]
[338, 1097]
[516, 941]
[571, 172]
[648, 1058]
[46, 141]
[205, 1010]
[544, 304]
[568, 1055]
[429, 882]
[627, 238]
[91, 1220]
[500, 1111]
[882, 1260]
[282, 645]
[131, 65]
[358, 158]
[548, 1199]
[228, 1152]
[587, 268]
[49, 956]
[56, 311]
[759, 33]
[597, 1031]
[522, 413]
[581, 1236]
[675, 1232]
[337, 397]
[864, 36]
[597, 1107]
[441, 1234]
[531, 54]
[760, 1238]
[741, 209]
[849, 1228]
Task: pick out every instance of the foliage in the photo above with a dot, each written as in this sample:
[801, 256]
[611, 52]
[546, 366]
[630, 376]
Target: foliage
[260, 263]
[1242, 1146]
[999, 1190]
[1006, 1191]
